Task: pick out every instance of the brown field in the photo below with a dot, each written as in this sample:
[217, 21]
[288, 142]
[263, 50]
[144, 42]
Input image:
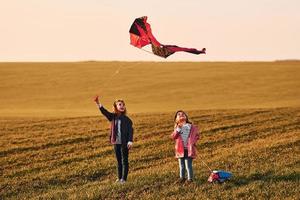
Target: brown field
[53, 144]
[66, 89]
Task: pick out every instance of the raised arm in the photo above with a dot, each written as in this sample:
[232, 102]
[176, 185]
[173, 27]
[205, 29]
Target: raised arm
[105, 112]
[176, 133]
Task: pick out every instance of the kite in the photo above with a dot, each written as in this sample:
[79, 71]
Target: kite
[141, 35]
[219, 176]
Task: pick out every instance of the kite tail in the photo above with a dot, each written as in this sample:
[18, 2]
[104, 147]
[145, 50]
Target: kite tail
[175, 48]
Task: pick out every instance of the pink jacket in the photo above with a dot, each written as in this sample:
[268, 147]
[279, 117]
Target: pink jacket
[191, 143]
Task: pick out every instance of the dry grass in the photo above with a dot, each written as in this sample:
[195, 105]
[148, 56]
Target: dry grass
[54, 146]
[66, 89]
[71, 158]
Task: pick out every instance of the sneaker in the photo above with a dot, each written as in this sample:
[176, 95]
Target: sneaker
[181, 180]
[190, 181]
[122, 181]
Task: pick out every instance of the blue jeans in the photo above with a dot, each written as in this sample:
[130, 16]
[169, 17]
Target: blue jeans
[186, 163]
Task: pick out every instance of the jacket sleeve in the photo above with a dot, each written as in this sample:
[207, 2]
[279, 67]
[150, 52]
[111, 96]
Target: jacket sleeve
[197, 135]
[175, 134]
[130, 131]
[106, 113]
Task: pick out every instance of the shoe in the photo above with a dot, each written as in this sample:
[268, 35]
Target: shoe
[190, 181]
[122, 181]
[181, 180]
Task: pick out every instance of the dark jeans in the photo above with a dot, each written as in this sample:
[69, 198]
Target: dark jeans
[186, 163]
[122, 158]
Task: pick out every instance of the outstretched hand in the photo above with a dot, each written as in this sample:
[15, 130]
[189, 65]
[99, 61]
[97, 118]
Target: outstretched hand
[96, 99]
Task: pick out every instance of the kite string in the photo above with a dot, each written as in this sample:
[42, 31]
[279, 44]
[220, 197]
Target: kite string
[150, 52]
[206, 166]
[110, 78]
[147, 51]
[117, 71]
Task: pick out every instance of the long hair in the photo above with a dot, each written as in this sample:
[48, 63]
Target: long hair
[187, 118]
[115, 107]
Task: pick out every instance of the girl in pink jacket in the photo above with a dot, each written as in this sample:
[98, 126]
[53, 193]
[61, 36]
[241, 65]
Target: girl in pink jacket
[185, 135]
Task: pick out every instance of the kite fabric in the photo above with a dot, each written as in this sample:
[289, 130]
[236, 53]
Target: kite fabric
[141, 35]
[219, 176]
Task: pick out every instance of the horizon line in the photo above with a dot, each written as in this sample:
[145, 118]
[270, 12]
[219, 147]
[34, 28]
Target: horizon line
[87, 61]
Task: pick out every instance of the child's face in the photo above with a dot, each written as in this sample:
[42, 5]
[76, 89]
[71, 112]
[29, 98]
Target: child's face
[120, 106]
[181, 117]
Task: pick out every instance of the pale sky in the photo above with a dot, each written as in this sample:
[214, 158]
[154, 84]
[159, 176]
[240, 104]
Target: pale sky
[76, 30]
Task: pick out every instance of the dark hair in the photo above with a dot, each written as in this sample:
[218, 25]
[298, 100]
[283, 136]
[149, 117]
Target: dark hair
[115, 106]
[187, 118]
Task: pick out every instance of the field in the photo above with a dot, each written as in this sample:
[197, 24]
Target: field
[54, 143]
[66, 89]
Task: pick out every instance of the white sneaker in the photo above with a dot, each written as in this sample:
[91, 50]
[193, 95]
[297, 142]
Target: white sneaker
[122, 181]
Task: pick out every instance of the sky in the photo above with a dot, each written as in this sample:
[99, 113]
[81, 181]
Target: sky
[82, 30]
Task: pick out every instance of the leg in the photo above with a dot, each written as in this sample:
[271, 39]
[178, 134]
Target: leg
[181, 168]
[118, 153]
[125, 163]
[189, 167]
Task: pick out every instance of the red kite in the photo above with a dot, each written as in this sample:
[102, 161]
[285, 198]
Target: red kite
[141, 35]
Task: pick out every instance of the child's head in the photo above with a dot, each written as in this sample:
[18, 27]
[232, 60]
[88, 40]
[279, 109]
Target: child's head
[119, 106]
[181, 117]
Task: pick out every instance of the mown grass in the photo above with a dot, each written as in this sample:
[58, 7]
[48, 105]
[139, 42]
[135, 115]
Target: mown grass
[70, 158]
[66, 89]
[53, 146]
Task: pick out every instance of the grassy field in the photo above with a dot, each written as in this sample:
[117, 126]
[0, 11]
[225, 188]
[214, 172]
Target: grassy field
[70, 157]
[54, 143]
[66, 89]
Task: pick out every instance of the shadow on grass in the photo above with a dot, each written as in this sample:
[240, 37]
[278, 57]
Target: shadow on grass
[68, 141]
[265, 177]
[42, 184]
